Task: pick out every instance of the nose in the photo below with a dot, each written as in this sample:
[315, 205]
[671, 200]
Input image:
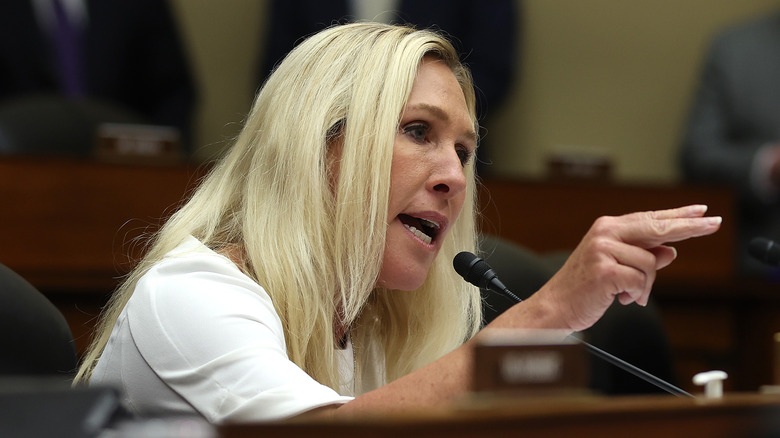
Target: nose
[448, 177]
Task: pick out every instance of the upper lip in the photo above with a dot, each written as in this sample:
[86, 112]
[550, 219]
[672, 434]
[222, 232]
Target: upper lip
[439, 219]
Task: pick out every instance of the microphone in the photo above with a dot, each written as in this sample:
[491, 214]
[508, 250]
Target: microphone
[479, 273]
[765, 250]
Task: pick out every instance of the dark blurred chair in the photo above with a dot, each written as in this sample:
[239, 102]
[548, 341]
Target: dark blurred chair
[50, 125]
[35, 339]
[38, 361]
[632, 333]
[41, 407]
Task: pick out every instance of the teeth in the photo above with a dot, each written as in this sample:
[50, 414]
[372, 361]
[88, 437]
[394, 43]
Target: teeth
[431, 224]
[424, 237]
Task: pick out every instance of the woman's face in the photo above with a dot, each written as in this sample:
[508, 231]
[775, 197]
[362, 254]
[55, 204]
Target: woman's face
[427, 182]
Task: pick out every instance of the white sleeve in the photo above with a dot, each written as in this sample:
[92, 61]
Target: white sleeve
[213, 336]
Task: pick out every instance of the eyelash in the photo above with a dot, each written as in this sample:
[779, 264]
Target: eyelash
[409, 129]
[463, 153]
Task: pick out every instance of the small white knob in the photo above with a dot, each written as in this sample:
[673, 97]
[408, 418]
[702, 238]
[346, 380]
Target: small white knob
[712, 381]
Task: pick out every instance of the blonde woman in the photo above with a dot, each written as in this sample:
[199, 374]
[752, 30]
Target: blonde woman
[311, 271]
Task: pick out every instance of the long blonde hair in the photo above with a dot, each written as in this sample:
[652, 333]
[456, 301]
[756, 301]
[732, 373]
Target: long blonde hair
[315, 244]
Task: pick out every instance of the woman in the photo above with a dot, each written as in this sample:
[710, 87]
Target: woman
[314, 263]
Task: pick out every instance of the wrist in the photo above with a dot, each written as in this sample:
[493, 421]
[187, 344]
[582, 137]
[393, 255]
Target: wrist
[537, 312]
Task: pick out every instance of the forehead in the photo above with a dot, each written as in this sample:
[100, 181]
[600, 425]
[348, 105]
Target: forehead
[437, 91]
[435, 77]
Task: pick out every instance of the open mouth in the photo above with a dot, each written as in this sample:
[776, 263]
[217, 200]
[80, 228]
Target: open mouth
[425, 229]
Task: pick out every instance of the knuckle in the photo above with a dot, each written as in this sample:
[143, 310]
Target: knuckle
[607, 271]
[603, 224]
[652, 214]
[659, 226]
[602, 245]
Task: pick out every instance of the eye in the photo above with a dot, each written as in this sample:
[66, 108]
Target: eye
[464, 155]
[418, 131]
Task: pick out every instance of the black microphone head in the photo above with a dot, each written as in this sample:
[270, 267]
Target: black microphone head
[469, 267]
[479, 273]
[765, 250]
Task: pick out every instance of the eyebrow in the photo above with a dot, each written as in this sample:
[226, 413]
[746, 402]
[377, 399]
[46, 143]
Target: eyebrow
[441, 115]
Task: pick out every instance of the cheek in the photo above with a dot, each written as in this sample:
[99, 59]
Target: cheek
[403, 183]
[457, 205]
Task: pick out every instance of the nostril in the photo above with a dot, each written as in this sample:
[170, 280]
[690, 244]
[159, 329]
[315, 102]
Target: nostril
[444, 188]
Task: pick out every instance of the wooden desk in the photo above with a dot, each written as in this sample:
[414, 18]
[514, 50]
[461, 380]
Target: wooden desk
[733, 416]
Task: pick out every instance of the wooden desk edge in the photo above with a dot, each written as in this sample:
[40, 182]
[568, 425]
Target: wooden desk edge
[734, 415]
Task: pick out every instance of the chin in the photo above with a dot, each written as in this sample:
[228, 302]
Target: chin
[410, 287]
[403, 282]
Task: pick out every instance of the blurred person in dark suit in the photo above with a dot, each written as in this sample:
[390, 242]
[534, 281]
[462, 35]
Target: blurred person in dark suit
[127, 53]
[733, 132]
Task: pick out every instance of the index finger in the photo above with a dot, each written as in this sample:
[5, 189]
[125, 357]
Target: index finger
[650, 229]
[696, 210]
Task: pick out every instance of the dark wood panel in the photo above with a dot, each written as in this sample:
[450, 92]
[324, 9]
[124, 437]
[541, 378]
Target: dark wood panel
[70, 225]
[553, 216]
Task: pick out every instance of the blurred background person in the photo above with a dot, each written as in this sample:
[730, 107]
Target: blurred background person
[733, 133]
[121, 60]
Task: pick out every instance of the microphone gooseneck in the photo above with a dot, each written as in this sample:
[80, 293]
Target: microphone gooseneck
[479, 273]
[765, 250]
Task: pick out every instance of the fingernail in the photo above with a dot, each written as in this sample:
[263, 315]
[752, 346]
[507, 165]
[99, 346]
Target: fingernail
[699, 208]
[714, 220]
[674, 250]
